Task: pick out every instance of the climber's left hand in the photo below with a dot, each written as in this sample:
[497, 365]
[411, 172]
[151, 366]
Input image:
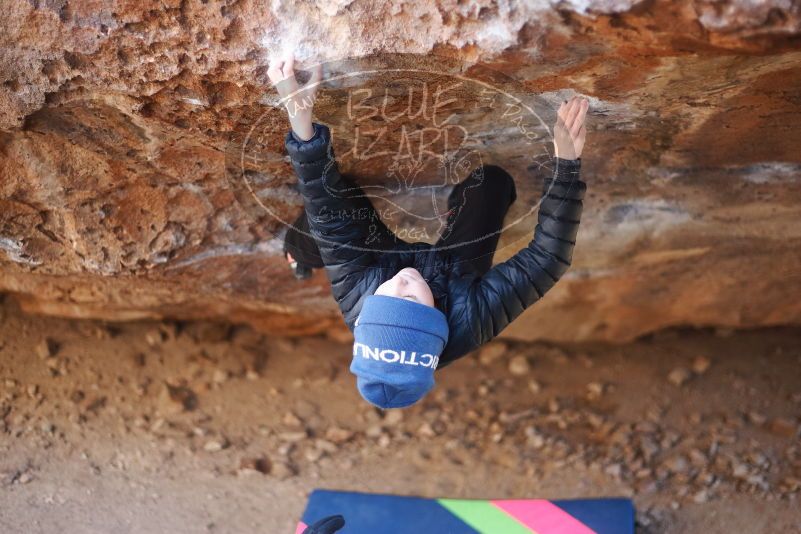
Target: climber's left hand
[569, 132]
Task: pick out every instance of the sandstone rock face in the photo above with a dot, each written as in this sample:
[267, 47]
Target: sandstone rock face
[120, 123]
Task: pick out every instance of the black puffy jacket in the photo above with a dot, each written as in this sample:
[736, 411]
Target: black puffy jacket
[478, 308]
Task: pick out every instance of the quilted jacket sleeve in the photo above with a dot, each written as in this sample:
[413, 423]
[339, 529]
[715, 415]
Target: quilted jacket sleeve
[339, 221]
[494, 300]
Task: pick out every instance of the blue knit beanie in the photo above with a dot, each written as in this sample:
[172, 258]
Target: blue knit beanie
[397, 343]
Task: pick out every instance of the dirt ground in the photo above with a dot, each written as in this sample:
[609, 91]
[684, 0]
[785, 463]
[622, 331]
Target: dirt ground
[172, 427]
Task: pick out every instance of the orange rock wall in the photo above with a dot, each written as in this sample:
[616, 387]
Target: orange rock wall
[115, 118]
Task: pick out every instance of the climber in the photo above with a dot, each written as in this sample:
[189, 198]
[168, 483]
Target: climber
[429, 303]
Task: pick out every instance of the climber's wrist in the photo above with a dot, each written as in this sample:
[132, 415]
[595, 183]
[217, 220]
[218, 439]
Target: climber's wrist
[302, 127]
[566, 154]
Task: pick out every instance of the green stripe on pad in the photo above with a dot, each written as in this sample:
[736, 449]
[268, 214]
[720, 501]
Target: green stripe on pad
[484, 516]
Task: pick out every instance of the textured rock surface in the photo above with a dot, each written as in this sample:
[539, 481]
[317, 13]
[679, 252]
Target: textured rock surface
[115, 119]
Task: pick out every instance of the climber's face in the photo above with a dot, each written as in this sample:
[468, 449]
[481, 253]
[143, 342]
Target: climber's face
[407, 284]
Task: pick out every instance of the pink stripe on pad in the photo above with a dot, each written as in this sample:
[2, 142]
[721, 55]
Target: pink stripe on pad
[543, 517]
[301, 527]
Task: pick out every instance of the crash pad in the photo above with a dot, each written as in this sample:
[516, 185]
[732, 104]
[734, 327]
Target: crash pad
[393, 514]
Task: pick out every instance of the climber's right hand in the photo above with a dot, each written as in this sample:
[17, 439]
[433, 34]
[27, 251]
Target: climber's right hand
[299, 101]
